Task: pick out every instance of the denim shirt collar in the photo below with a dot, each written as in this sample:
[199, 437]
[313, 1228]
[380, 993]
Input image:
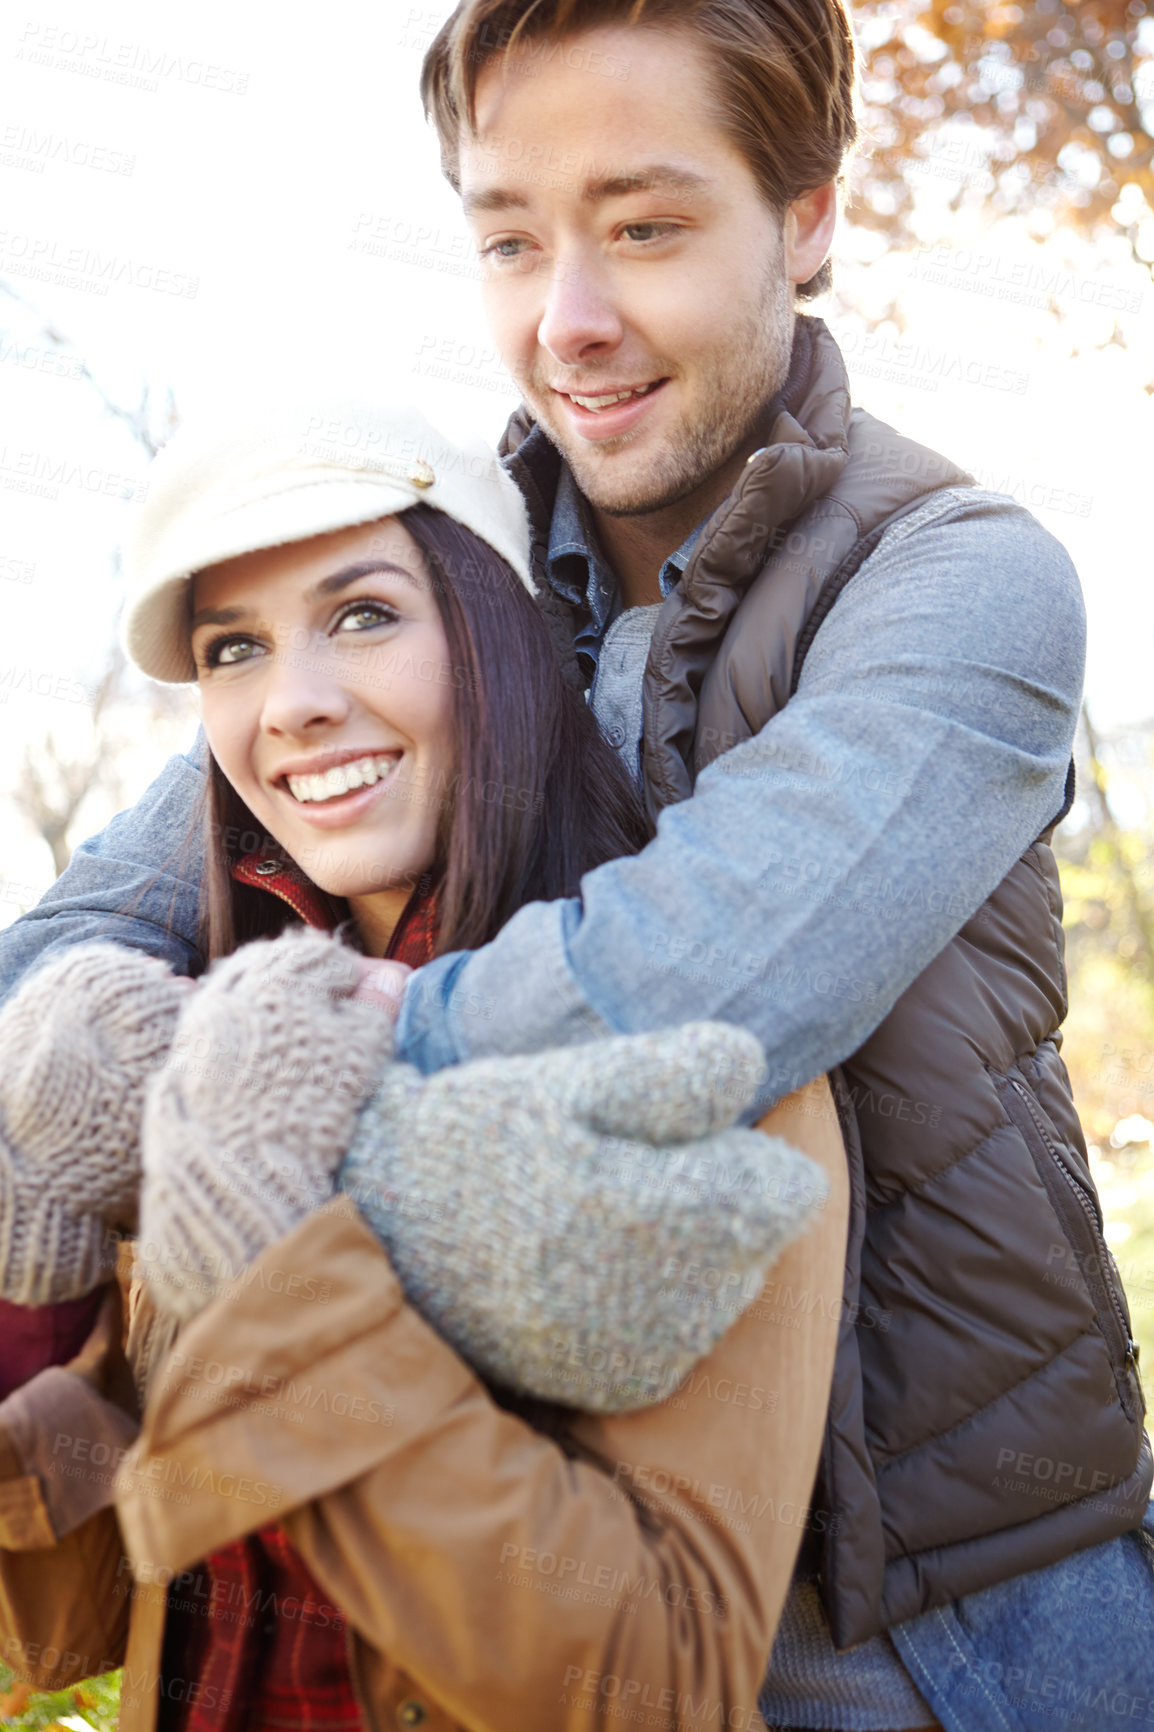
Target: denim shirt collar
[578, 570]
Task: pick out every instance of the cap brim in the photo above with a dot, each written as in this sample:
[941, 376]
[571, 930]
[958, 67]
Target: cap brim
[155, 631]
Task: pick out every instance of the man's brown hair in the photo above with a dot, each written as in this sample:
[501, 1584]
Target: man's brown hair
[782, 70]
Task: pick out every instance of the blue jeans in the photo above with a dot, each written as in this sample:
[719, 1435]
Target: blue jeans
[1070, 1647]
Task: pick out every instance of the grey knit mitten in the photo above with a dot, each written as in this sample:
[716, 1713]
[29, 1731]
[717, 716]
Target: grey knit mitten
[245, 1127]
[582, 1225]
[78, 1044]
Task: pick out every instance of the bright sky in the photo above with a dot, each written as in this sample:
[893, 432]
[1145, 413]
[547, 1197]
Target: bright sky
[218, 199]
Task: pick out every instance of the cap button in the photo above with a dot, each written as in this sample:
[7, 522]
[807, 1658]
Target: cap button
[421, 474]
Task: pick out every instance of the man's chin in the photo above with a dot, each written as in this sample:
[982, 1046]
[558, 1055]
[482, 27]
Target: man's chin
[632, 491]
[609, 471]
[616, 479]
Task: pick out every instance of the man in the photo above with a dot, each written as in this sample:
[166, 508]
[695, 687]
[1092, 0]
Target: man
[849, 681]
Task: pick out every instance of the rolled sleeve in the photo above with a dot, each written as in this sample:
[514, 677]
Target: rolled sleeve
[62, 1439]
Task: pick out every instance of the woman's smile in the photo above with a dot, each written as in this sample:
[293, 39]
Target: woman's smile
[322, 783]
[333, 788]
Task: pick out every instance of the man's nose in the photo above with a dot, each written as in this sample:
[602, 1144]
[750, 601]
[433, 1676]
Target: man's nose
[580, 318]
[303, 691]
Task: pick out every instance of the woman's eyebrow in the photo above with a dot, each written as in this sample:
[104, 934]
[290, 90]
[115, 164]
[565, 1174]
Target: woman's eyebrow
[215, 616]
[331, 585]
[338, 580]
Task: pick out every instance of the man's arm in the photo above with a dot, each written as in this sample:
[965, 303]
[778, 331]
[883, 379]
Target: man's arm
[136, 883]
[820, 866]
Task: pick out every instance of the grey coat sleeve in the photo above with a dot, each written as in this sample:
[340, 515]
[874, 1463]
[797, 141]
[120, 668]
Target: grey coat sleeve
[820, 866]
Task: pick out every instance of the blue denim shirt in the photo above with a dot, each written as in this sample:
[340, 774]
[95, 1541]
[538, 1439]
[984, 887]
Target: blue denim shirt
[818, 868]
[578, 570]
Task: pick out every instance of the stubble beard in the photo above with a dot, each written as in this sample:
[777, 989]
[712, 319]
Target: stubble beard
[742, 377]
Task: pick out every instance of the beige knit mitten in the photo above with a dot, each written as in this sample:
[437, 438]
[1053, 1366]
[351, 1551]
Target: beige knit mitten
[536, 1209]
[583, 1224]
[78, 1044]
[246, 1125]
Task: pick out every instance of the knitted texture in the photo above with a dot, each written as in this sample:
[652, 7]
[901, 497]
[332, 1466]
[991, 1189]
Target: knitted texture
[582, 1225]
[78, 1044]
[245, 1127]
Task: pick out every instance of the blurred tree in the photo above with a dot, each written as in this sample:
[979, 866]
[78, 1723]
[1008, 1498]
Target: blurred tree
[1108, 869]
[55, 779]
[151, 423]
[1043, 109]
[52, 783]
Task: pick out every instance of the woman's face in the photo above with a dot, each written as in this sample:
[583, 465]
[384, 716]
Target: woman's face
[327, 697]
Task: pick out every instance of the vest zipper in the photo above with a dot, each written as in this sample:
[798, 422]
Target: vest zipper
[1086, 1202]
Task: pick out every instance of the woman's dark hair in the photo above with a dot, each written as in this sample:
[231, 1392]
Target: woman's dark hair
[537, 796]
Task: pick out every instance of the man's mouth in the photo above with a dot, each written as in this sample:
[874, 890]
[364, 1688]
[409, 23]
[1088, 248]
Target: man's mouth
[608, 399]
[342, 778]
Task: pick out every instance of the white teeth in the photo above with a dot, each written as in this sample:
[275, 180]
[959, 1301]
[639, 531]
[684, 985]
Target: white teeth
[343, 779]
[613, 397]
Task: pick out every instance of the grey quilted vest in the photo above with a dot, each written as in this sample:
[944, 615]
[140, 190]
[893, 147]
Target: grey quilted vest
[986, 1413]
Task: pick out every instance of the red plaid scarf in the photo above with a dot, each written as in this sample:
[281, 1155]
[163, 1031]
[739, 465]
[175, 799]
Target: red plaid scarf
[251, 1643]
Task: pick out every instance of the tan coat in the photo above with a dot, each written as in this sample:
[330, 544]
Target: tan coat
[490, 1580]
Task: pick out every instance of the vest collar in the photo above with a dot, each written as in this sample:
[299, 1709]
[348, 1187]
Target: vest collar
[807, 449]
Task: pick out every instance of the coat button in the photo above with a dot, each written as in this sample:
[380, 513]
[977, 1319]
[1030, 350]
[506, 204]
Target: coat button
[412, 1713]
[266, 868]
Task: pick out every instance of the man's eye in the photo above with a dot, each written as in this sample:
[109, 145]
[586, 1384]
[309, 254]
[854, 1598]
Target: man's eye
[507, 249]
[363, 615]
[647, 231]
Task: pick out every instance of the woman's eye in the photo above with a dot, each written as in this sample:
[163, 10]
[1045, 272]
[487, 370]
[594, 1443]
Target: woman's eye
[227, 651]
[363, 615]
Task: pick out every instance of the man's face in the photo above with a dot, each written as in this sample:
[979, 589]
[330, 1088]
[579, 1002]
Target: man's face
[627, 255]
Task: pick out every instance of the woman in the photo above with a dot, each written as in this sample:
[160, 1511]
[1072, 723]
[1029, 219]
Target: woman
[383, 706]
[415, 1516]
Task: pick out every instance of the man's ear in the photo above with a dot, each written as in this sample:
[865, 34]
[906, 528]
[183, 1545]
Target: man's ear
[808, 232]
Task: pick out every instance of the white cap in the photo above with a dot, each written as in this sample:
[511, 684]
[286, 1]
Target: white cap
[217, 491]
